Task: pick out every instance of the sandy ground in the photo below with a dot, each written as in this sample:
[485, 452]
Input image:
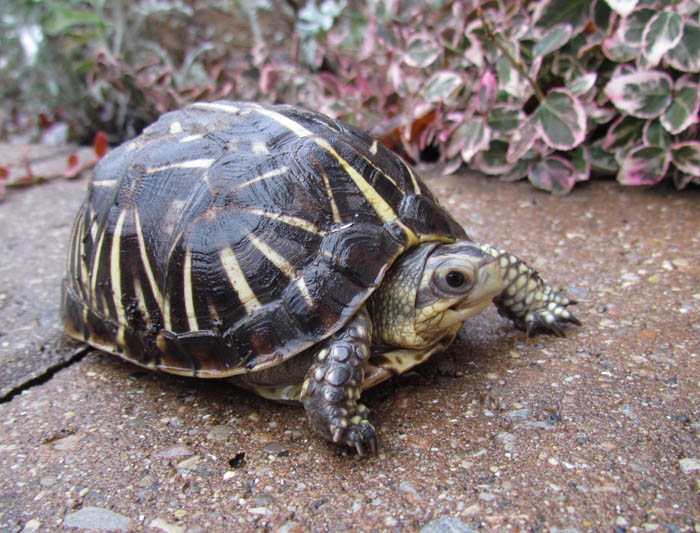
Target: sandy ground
[599, 431]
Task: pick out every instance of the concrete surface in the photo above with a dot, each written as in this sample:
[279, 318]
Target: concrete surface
[599, 431]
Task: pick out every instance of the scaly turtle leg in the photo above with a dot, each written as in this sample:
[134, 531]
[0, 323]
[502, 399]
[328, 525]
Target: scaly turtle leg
[526, 299]
[333, 384]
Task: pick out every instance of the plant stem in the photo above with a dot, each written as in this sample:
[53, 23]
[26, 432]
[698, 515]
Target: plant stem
[513, 61]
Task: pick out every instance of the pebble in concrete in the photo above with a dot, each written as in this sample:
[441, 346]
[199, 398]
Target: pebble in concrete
[97, 518]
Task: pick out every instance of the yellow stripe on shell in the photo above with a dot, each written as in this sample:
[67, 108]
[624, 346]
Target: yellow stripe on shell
[287, 122]
[188, 292]
[290, 220]
[276, 259]
[192, 163]
[238, 280]
[270, 174]
[216, 106]
[149, 271]
[115, 273]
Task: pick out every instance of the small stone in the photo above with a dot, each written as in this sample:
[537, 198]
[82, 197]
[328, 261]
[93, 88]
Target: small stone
[518, 415]
[220, 432]
[261, 500]
[508, 440]
[654, 278]
[189, 464]
[275, 448]
[180, 514]
[254, 417]
[66, 443]
[408, 488]
[631, 277]
[553, 461]
[259, 510]
[621, 521]
[228, 475]
[179, 450]
[97, 518]
[163, 525]
[679, 262]
[176, 422]
[689, 464]
[446, 524]
[31, 526]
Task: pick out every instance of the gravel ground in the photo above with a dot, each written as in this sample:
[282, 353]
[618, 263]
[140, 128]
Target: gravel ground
[599, 431]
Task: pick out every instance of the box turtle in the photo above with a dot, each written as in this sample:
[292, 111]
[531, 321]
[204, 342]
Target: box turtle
[288, 252]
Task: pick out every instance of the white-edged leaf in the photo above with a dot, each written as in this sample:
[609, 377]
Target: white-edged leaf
[685, 56]
[655, 134]
[625, 132]
[581, 162]
[492, 161]
[661, 33]
[644, 94]
[476, 138]
[554, 39]
[421, 51]
[632, 26]
[561, 120]
[619, 52]
[623, 7]
[686, 156]
[683, 110]
[644, 165]
[602, 161]
[599, 115]
[522, 140]
[503, 119]
[549, 13]
[442, 86]
[582, 84]
[554, 174]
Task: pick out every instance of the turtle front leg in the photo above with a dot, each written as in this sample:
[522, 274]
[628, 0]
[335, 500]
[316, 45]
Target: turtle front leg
[526, 299]
[333, 384]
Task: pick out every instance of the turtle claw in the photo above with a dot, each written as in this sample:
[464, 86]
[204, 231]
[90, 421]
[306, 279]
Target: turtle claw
[551, 318]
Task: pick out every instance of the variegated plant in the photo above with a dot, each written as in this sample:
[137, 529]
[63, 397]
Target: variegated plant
[552, 90]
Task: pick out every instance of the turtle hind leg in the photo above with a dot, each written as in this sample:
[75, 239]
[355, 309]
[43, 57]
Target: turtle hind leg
[333, 384]
[527, 300]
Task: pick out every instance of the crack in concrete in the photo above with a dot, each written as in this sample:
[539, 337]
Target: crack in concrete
[46, 375]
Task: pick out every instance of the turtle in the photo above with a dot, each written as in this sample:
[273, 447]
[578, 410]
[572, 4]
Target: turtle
[286, 251]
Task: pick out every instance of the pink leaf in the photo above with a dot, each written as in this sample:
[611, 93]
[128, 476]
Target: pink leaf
[488, 87]
[554, 174]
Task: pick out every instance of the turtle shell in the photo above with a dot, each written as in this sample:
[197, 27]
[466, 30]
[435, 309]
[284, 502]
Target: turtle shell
[230, 236]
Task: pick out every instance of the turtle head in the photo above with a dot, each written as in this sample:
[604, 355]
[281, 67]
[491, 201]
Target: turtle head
[430, 290]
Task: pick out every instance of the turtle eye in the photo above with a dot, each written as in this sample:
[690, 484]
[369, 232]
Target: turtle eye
[451, 281]
[455, 279]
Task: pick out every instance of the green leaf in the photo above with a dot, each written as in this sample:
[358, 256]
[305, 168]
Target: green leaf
[554, 174]
[552, 40]
[476, 138]
[686, 156]
[619, 52]
[422, 50]
[492, 161]
[561, 120]
[644, 165]
[662, 33]
[549, 13]
[504, 120]
[683, 110]
[62, 18]
[442, 86]
[685, 56]
[523, 139]
[602, 161]
[641, 94]
[655, 134]
[581, 162]
[625, 132]
[632, 26]
[582, 84]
